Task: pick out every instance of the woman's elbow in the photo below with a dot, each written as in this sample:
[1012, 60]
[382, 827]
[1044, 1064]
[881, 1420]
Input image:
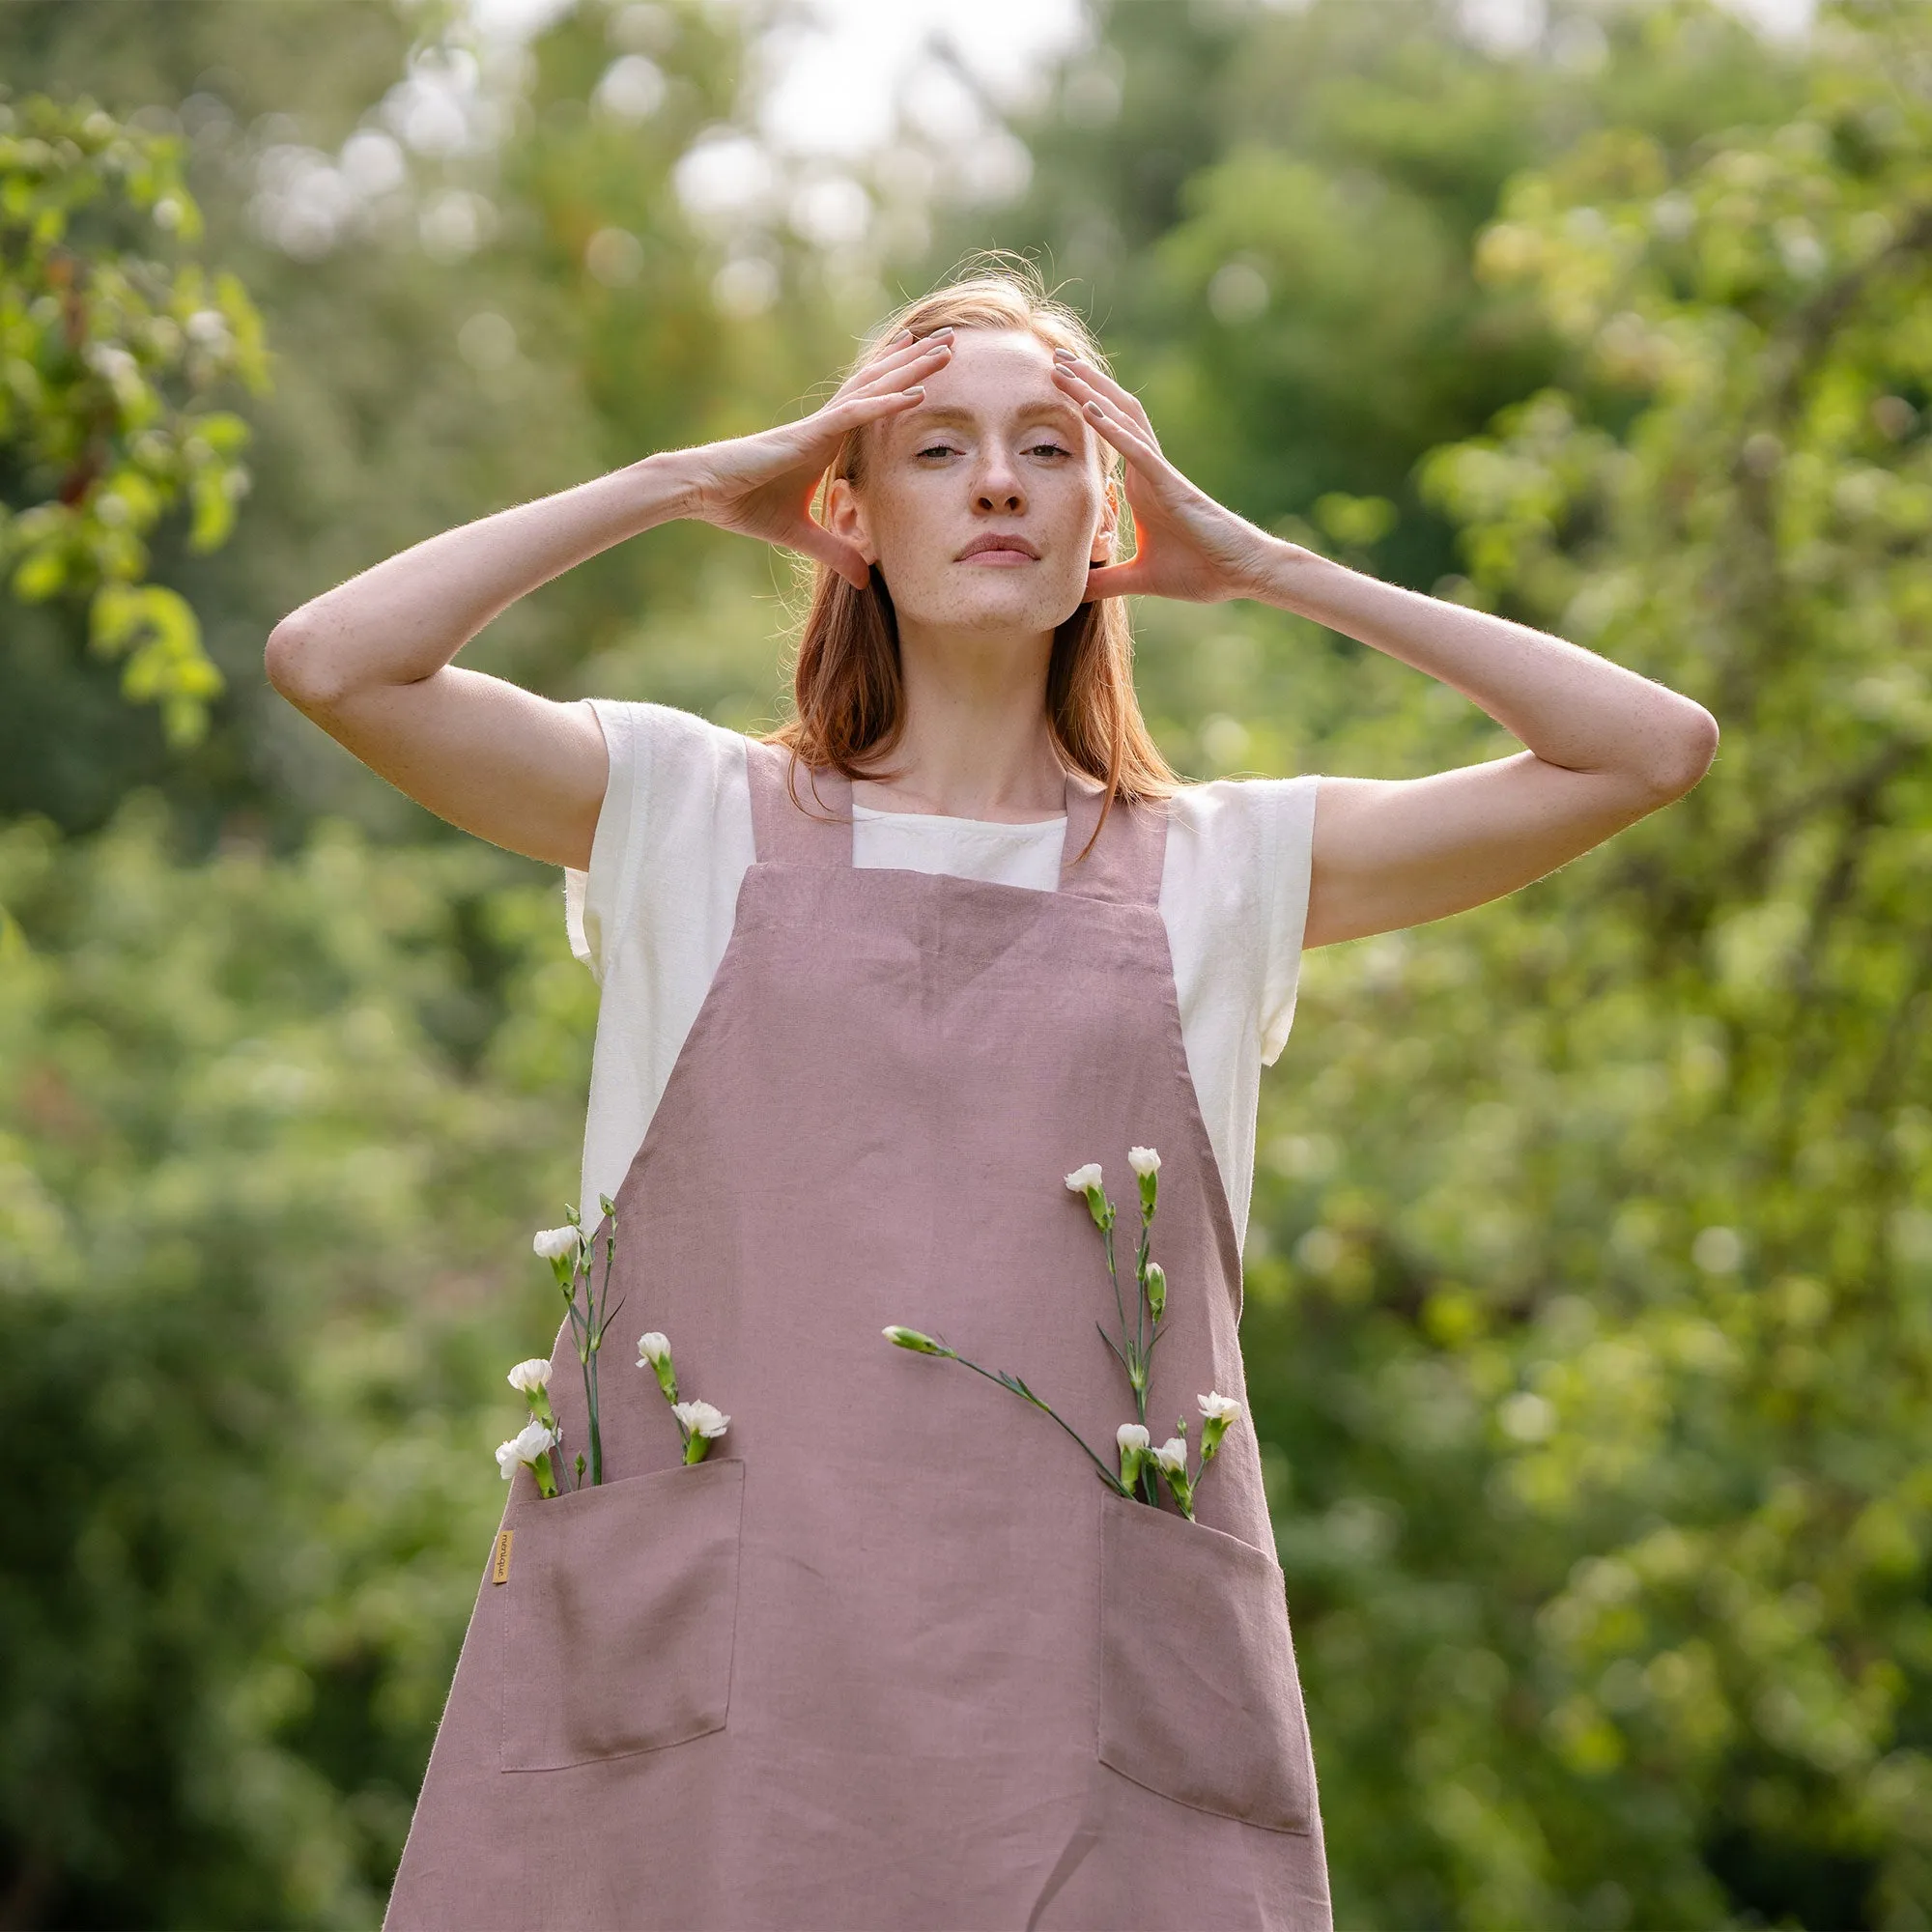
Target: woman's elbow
[298, 666]
[1682, 752]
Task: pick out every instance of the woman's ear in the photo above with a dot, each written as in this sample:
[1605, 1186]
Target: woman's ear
[845, 518]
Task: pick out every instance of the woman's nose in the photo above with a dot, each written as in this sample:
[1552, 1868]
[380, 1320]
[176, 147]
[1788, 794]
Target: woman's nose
[998, 487]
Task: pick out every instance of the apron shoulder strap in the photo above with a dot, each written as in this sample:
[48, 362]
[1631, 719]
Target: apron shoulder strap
[812, 829]
[1124, 866]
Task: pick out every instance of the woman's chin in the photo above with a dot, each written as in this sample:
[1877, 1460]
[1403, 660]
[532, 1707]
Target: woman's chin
[997, 607]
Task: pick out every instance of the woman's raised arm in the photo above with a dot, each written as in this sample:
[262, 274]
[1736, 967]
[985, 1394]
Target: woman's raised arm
[1606, 745]
[369, 660]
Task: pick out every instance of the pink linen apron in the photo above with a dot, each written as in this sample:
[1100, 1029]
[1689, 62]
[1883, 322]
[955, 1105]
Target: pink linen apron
[894, 1656]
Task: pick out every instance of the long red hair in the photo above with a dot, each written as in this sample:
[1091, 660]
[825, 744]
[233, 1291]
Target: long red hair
[846, 683]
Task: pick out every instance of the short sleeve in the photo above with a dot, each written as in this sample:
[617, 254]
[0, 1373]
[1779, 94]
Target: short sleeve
[1288, 842]
[591, 911]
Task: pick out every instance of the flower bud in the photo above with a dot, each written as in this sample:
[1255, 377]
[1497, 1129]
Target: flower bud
[1172, 1459]
[911, 1337]
[654, 1354]
[532, 1445]
[531, 1380]
[1087, 1180]
[554, 1244]
[1220, 1413]
[1156, 1289]
[1133, 1440]
[702, 1425]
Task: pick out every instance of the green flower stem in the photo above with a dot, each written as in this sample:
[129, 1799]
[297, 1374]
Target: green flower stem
[1183, 1491]
[1113, 1275]
[590, 1384]
[541, 1470]
[1142, 1307]
[1020, 1389]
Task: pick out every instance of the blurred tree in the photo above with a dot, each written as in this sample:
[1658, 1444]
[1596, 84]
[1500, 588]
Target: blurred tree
[94, 447]
[1592, 1234]
[1610, 1206]
[1271, 213]
[271, 1134]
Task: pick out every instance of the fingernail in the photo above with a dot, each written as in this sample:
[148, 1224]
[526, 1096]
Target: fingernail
[917, 389]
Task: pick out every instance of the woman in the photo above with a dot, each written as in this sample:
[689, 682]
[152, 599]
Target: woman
[876, 987]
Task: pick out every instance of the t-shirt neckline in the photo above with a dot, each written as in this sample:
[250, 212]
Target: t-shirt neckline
[948, 819]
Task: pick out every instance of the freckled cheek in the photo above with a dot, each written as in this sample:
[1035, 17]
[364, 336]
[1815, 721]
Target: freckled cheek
[909, 529]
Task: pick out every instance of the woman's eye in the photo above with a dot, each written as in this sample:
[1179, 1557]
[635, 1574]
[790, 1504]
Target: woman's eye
[937, 449]
[1048, 449]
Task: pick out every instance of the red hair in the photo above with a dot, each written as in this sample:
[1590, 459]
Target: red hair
[847, 682]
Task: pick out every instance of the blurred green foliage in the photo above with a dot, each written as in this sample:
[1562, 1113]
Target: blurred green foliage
[1590, 1274]
[93, 338]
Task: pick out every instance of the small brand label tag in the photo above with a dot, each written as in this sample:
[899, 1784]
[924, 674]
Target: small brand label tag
[499, 1566]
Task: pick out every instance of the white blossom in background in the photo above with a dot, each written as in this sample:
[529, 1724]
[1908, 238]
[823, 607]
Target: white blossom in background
[633, 88]
[727, 181]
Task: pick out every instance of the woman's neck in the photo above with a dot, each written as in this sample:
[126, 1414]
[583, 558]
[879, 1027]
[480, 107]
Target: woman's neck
[976, 742]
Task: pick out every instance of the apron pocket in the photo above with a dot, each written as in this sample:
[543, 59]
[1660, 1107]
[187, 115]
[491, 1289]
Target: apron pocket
[622, 1601]
[1199, 1698]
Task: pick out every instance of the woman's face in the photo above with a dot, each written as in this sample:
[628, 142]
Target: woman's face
[983, 506]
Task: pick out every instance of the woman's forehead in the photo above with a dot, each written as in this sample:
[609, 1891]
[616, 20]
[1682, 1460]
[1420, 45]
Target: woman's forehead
[995, 372]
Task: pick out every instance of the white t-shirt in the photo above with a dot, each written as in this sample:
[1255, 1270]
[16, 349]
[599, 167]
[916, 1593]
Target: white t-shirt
[652, 916]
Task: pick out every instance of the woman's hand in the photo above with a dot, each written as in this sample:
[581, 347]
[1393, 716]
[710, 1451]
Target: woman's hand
[761, 486]
[1187, 545]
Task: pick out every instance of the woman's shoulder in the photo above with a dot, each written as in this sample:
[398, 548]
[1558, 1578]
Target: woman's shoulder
[646, 727]
[1234, 809]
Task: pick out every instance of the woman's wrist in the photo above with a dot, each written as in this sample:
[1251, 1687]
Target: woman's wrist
[1280, 573]
[665, 487]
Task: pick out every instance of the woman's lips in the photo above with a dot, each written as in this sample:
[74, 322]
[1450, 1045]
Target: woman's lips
[1002, 549]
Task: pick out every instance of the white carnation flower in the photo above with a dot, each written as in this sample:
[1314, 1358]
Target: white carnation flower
[1142, 1160]
[554, 1243]
[1222, 1409]
[1172, 1455]
[652, 1348]
[1084, 1178]
[700, 1417]
[531, 1374]
[532, 1440]
[1133, 1435]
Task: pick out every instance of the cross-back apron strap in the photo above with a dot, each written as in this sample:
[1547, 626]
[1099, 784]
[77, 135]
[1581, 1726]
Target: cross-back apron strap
[802, 815]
